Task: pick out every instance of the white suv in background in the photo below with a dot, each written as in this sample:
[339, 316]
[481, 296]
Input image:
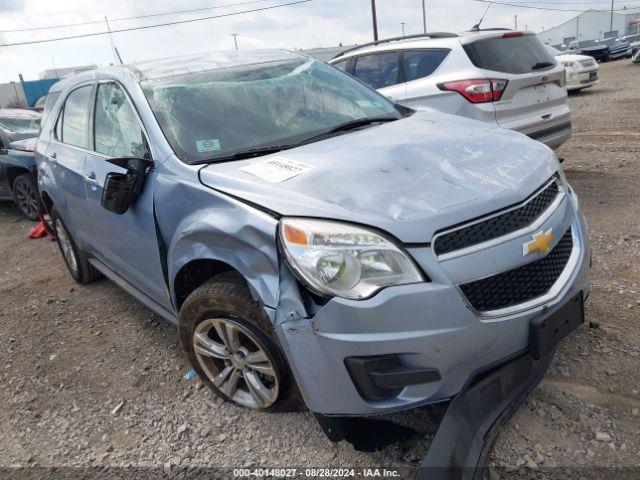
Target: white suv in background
[497, 76]
[582, 70]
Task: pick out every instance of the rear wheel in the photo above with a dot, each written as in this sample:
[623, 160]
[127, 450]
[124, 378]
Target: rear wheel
[230, 342]
[26, 196]
[79, 268]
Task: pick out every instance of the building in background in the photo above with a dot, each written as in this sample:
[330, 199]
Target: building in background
[65, 72]
[593, 25]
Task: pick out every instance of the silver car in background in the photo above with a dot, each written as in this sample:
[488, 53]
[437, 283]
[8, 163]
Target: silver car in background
[500, 77]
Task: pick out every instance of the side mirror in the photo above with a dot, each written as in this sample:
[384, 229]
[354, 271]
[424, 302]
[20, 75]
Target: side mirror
[122, 189]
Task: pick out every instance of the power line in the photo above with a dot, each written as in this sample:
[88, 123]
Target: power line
[544, 8]
[150, 15]
[157, 25]
[601, 2]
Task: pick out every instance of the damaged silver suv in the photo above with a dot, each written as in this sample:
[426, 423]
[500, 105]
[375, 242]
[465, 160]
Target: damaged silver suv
[312, 241]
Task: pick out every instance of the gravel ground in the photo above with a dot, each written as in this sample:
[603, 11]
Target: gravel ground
[91, 378]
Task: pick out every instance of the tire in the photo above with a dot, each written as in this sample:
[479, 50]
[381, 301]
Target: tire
[26, 196]
[79, 268]
[222, 331]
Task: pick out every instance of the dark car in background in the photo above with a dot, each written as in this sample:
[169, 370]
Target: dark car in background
[18, 124]
[18, 174]
[598, 51]
[618, 48]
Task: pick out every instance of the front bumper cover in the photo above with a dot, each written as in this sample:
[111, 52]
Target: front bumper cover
[475, 417]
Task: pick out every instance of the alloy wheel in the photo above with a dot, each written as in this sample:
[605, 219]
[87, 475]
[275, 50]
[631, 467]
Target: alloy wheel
[66, 246]
[26, 198]
[237, 363]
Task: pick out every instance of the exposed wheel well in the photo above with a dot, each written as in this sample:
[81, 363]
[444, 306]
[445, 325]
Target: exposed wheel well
[46, 201]
[194, 274]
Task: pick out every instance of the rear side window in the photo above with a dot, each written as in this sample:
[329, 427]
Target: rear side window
[48, 105]
[342, 65]
[75, 118]
[377, 70]
[422, 63]
[117, 130]
[523, 54]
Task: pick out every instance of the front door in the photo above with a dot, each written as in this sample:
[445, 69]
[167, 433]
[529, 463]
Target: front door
[127, 243]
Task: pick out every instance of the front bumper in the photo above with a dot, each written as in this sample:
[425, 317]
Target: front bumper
[426, 326]
[620, 54]
[581, 79]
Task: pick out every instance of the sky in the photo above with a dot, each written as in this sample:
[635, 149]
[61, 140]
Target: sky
[318, 23]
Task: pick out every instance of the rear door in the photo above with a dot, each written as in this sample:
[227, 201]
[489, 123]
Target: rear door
[535, 96]
[66, 156]
[380, 70]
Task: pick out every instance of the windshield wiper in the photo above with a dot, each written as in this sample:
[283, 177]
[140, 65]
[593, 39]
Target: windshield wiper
[258, 152]
[254, 152]
[541, 65]
[350, 125]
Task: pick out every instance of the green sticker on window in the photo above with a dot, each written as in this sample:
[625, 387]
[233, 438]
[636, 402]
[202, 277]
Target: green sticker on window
[212, 145]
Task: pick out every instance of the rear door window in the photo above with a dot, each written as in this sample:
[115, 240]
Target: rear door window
[421, 63]
[520, 54]
[378, 70]
[75, 118]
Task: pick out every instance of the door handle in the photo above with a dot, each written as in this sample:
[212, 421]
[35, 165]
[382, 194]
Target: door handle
[53, 157]
[91, 178]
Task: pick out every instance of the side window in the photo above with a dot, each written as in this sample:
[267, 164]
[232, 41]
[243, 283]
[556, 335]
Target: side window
[378, 70]
[342, 65]
[48, 105]
[75, 118]
[422, 63]
[117, 130]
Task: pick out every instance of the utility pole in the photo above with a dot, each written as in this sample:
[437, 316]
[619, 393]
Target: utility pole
[611, 21]
[424, 17]
[402, 23]
[578, 28]
[375, 20]
[526, 27]
[516, 21]
[235, 39]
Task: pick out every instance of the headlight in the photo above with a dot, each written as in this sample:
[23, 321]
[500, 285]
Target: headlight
[344, 260]
[569, 64]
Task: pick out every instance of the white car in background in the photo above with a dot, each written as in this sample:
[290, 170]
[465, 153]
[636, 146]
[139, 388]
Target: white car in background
[582, 70]
[502, 77]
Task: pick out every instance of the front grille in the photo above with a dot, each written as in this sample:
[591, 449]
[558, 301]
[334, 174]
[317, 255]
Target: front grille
[499, 225]
[587, 63]
[520, 284]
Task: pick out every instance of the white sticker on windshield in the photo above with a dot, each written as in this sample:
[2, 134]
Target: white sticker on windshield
[277, 169]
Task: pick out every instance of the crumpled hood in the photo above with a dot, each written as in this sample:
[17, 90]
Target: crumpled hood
[410, 177]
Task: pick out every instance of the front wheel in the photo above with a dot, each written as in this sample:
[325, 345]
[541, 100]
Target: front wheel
[26, 196]
[230, 342]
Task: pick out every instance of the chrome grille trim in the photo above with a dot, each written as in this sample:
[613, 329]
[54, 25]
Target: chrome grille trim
[510, 236]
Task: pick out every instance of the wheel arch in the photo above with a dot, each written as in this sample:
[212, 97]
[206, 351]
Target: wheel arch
[203, 251]
[14, 171]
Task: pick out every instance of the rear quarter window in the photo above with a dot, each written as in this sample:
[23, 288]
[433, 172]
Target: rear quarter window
[422, 63]
[516, 55]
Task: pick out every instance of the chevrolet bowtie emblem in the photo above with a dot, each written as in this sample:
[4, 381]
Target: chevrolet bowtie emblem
[541, 243]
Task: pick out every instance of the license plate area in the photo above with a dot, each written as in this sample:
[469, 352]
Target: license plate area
[546, 333]
[593, 75]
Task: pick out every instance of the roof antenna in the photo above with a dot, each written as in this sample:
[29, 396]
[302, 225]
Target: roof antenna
[476, 27]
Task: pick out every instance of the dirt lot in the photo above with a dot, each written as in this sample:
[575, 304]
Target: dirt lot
[92, 378]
